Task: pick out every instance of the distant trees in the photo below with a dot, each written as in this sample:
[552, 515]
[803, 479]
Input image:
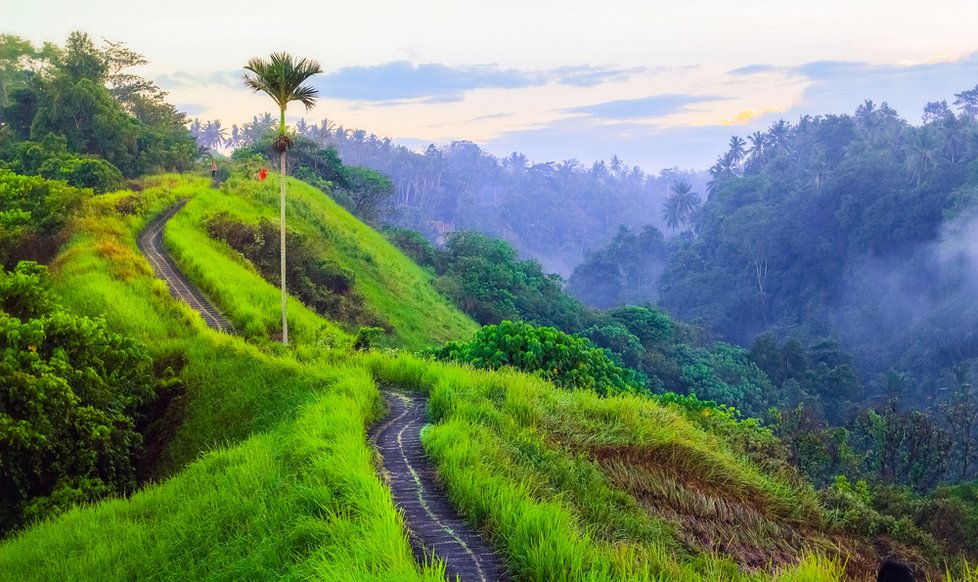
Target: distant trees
[86, 97]
[786, 229]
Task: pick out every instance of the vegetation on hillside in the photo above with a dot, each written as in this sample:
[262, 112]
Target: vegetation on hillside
[77, 113]
[242, 458]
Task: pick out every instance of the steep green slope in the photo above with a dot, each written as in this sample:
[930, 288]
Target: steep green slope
[393, 288]
[271, 474]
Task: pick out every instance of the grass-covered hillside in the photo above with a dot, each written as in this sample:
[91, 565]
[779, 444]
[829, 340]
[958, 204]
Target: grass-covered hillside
[257, 463]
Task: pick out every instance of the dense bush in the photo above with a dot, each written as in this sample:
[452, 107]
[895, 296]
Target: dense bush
[70, 391]
[32, 212]
[413, 244]
[566, 360]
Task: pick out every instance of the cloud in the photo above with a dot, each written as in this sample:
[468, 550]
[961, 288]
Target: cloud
[191, 109]
[183, 79]
[643, 108]
[586, 76]
[400, 82]
[748, 115]
[753, 70]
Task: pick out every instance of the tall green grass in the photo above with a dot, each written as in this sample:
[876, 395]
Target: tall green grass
[394, 287]
[517, 457]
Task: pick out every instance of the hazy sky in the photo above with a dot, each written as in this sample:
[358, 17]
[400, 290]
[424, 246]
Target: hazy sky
[657, 83]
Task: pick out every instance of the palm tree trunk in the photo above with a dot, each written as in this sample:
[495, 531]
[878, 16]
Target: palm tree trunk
[281, 181]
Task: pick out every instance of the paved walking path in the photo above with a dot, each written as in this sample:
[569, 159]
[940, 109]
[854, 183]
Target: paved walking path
[434, 524]
[151, 244]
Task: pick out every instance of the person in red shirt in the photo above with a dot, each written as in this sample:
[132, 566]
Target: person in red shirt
[261, 174]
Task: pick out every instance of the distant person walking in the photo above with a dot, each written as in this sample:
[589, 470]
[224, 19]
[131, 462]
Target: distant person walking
[262, 173]
[213, 169]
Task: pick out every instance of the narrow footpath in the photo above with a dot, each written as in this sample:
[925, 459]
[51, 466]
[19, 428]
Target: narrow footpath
[434, 525]
[151, 244]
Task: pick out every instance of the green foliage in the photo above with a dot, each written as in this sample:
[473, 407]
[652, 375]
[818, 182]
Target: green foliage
[905, 447]
[413, 244]
[71, 388]
[366, 336]
[484, 277]
[33, 211]
[566, 360]
[112, 123]
[726, 374]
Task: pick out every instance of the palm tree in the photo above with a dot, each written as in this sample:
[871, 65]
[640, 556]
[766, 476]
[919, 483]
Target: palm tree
[681, 204]
[282, 78]
[737, 150]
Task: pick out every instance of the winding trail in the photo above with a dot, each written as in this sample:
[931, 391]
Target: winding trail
[151, 244]
[434, 525]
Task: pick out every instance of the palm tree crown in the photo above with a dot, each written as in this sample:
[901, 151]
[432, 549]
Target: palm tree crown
[282, 77]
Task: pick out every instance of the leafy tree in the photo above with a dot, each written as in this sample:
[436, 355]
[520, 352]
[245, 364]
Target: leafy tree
[486, 279]
[281, 77]
[413, 244]
[367, 189]
[566, 360]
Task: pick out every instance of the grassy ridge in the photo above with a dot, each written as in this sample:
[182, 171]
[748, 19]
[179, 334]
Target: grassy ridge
[392, 285]
[286, 485]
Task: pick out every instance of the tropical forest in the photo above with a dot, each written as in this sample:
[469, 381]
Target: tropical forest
[281, 347]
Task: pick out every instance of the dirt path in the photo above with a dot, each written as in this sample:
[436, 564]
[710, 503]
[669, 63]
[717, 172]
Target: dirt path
[151, 244]
[434, 525]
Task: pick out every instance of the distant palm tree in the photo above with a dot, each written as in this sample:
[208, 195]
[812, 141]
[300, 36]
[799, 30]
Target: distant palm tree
[282, 78]
[737, 151]
[670, 213]
[757, 142]
[778, 134]
[681, 204]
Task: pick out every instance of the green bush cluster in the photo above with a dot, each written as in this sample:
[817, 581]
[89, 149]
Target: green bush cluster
[71, 390]
[32, 212]
[566, 360]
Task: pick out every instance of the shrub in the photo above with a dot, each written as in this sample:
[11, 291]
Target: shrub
[32, 212]
[568, 361]
[71, 388]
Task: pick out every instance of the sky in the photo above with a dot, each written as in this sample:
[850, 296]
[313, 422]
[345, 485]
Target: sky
[657, 83]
